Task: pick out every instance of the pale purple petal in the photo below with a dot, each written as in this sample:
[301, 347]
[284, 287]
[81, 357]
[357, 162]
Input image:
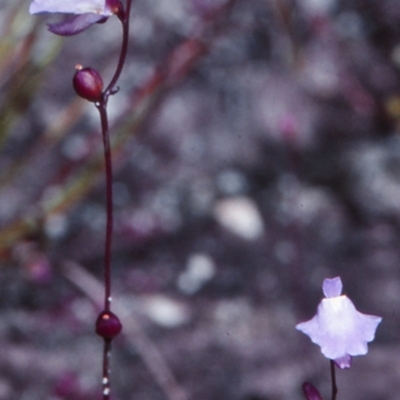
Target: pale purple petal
[332, 287]
[343, 362]
[74, 25]
[70, 7]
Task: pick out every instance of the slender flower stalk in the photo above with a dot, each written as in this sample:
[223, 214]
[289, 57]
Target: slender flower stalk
[109, 204]
[124, 18]
[333, 380]
[88, 84]
[102, 107]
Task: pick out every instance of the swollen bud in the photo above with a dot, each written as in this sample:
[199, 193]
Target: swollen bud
[311, 392]
[116, 7]
[88, 83]
[108, 325]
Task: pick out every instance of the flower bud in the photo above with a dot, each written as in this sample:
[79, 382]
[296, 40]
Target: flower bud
[108, 325]
[88, 83]
[116, 7]
[311, 392]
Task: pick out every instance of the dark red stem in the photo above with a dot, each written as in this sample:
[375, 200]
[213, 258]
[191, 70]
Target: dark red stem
[124, 49]
[102, 107]
[106, 370]
[109, 201]
[333, 379]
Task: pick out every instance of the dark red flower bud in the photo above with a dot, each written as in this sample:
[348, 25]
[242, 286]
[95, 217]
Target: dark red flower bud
[311, 392]
[88, 83]
[108, 325]
[116, 7]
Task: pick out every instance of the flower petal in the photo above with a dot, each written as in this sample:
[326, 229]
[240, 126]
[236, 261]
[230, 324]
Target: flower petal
[332, 287]
[69, 7]
[74, 25]
[343, 362]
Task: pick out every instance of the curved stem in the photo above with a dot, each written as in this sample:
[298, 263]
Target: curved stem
[102, 107]
[124, 50]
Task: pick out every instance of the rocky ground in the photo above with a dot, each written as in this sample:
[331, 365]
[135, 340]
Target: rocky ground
[267, 161]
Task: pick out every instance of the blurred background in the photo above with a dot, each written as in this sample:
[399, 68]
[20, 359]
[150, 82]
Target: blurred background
[256, 152]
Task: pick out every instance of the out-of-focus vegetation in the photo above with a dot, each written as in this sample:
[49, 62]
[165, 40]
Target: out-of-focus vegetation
[256, 152]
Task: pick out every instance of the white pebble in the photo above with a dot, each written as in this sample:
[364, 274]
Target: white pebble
[241, 216]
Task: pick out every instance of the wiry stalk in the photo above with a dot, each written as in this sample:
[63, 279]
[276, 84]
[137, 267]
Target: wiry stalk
[102, 107]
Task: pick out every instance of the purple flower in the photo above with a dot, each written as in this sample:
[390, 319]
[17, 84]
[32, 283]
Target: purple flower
[70, 7]
[87, 13]
[338, 328]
